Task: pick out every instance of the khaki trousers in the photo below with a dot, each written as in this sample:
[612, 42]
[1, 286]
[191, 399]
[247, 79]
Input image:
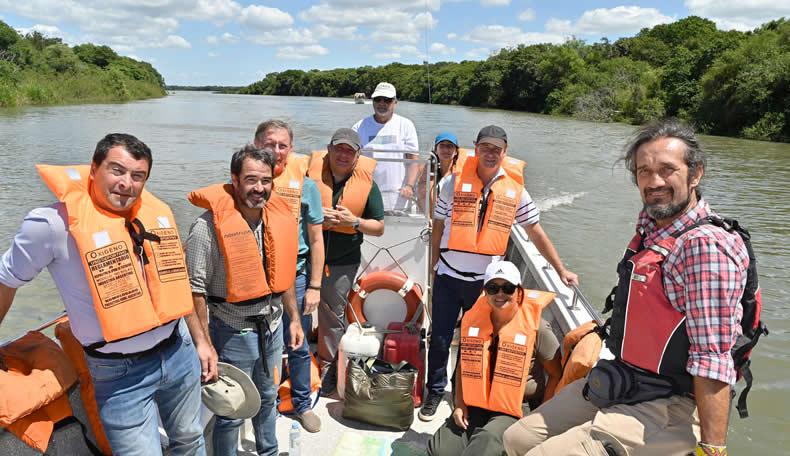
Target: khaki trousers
[569, 425]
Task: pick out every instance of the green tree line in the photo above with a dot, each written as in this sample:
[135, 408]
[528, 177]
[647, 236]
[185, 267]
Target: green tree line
[40, 70]
[726, 83]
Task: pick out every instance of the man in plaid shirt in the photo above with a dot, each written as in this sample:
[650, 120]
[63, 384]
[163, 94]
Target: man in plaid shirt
[703, 275]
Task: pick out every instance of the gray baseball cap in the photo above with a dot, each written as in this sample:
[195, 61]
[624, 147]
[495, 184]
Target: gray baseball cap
[492, 134]
[346, 136]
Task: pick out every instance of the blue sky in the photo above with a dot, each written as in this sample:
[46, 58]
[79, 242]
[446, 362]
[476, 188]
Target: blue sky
[236, 42]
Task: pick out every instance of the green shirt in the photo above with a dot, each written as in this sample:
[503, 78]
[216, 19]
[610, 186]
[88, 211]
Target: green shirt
[343, 248]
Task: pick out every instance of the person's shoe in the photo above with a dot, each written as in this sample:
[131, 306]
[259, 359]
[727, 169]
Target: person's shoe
[428, 410]
[328, 385]
[310, 421]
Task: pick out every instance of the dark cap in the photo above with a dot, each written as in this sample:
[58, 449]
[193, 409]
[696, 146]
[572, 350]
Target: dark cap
[346, 136]
[492, 134]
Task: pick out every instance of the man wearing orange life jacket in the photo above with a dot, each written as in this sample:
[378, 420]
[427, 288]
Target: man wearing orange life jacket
[352, 208]
[114, 253]
[302, 195]
[501, 337]
[476, 207]
[241, 255]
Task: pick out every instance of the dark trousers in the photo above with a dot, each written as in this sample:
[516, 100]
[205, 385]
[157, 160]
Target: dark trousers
[450, 296]
[483, 437]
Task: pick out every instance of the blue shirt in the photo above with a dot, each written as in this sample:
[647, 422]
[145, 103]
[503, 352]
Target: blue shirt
[312, 213]
[44, 241]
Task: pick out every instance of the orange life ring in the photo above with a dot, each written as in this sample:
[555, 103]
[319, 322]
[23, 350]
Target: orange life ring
[384, 280]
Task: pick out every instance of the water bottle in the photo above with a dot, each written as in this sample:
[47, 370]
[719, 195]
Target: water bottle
[294, 441]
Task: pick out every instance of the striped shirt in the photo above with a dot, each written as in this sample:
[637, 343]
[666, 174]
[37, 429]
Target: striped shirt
[526, 214]
[207, 275]
[704, 278]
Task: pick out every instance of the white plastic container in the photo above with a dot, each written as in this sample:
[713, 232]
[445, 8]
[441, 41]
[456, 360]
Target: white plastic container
[357, 342]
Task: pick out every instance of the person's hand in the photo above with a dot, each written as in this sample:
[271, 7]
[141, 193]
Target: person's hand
[407, 192]
[330, 218]
[461, 416]
[297, 335]
[568, 277]
[208, 361]
[345, 217]
[311, 299]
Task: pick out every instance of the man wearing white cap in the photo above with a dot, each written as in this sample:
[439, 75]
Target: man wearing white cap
[474, 211]
[387, 131]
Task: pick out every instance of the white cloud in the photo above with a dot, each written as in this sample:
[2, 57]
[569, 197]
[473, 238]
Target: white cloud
[46, 30]
[387, 55]
[441, 48]
[741, 14]
[477, 53]
[527, 15]
[132, 56]
[289, 37]
[263, 17]
[323, 31]
[301, 53]
[173, 41]
[500, 36]
[620, 20]
[229, 38]
[212, 39]
[212, 54]
[452, 36]
[495, 2]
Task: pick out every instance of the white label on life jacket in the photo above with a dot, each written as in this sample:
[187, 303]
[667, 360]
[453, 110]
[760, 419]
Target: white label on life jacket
[470, 154]
[512, 161]
[521, 339]
[466, 187]
[293, 184]
[473, 332]
[533, 294]
[164, 222]
[511, 193]
[101, 239]
[73, 174]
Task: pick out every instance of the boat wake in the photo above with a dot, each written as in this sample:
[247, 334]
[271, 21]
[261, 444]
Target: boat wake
[559, 200]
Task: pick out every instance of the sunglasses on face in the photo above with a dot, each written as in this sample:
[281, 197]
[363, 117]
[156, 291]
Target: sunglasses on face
[507, 288]
[383, 100]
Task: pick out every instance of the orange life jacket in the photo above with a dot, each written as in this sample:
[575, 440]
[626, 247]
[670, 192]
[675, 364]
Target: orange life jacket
[286, 405]
[76, 355]
[505, 391]
[503, 199]
[241, 253]
[128, 300]
[32, 390]
[513, 166]
[581, 348]
[357, 188]
[290, 182]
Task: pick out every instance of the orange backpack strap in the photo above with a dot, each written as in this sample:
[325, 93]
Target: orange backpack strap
[76, 355]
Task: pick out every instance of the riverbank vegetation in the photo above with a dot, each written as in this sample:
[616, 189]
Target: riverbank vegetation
[40, 70]
[726, 83]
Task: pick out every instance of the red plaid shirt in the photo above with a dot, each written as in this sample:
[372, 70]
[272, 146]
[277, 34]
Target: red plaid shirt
[704, 278]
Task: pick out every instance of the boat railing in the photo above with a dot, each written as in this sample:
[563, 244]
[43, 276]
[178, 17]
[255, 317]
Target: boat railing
[578, 297]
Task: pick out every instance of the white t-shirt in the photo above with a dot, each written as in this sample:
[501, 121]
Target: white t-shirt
[526, 214]
[397, 134]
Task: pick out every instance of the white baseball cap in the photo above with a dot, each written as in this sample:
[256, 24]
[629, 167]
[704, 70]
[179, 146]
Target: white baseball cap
[503, 270]
[384, 89]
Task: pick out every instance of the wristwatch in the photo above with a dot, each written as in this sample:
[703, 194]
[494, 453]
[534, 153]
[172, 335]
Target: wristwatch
[356, 224]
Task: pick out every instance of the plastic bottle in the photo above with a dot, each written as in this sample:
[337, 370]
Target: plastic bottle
[357, 342]
[294, 441]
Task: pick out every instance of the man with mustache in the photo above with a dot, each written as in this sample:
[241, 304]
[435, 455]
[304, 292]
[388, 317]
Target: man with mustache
[676, 316]
[386, 131]
[103, 245]
[476, 207]
[241, 255]
[352, 209]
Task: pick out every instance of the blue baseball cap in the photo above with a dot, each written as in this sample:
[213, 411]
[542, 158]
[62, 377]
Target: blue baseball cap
[446, 136]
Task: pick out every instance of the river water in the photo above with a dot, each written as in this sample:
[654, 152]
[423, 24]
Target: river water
[589, 204]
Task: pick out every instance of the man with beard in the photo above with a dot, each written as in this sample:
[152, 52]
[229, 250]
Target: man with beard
[301, 193]
[676, 316]
[241, 255]
[387, 131]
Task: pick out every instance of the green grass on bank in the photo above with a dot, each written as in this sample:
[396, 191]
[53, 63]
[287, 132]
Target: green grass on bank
[40, 70]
